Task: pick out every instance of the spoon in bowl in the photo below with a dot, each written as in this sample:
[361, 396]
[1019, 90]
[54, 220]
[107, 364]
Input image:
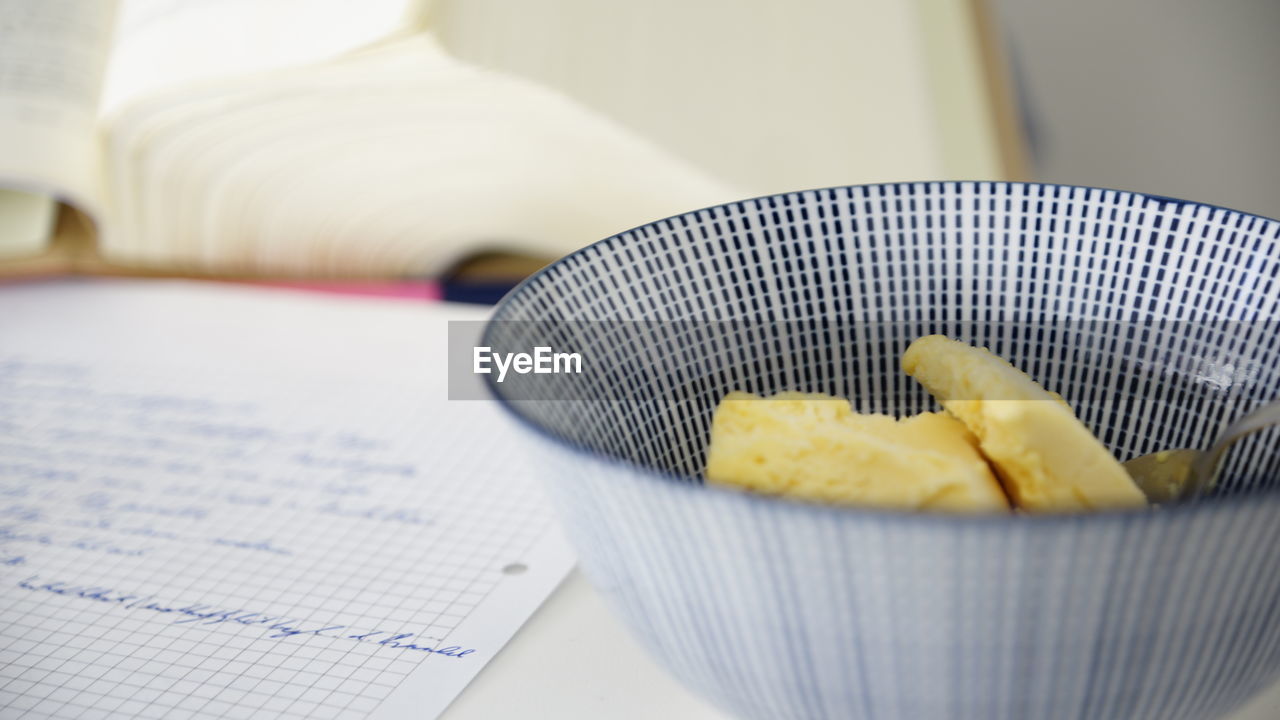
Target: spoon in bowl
[1171, 475]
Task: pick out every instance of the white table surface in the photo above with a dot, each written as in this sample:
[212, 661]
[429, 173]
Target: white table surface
[573, 660]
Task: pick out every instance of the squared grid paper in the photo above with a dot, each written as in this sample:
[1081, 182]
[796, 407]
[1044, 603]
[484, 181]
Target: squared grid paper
[154, 492]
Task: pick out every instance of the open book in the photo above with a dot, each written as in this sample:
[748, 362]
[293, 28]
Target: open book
[390, 138]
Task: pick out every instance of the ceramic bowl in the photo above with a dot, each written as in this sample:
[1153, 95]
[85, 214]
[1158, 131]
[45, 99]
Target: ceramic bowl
[1153, 317]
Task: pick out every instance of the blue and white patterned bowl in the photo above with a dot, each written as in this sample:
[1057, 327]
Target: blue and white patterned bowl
[1153, 317]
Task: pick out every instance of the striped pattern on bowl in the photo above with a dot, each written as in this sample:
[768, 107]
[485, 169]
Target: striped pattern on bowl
[1155, 318]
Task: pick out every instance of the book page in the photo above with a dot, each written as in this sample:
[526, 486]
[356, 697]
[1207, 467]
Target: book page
[52, 55]
[163, 43]
[768, 96]
[26, 222]
[393, 161]
[219, 502]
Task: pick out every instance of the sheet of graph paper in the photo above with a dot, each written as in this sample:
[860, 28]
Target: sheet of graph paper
[219, 502]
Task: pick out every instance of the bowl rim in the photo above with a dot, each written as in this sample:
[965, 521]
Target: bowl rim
[670, 480]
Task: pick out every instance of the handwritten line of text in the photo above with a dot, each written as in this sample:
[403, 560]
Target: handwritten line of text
[203, 614]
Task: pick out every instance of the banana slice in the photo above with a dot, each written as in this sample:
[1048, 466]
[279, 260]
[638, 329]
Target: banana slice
[815, 447]
[1046, 458]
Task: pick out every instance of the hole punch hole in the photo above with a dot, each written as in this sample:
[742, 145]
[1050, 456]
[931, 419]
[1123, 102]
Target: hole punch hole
[514, 568]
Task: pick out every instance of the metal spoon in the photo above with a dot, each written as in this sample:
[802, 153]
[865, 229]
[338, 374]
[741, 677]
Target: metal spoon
[1171, 475]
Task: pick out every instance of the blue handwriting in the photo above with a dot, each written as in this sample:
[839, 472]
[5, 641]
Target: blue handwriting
[277, 627]
[263, 545]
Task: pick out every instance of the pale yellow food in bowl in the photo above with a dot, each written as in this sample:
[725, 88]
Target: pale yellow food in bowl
[1003, 440]
[816, 447]
[1047, 460]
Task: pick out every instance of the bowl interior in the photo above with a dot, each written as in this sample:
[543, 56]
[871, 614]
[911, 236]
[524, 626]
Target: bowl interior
[1155, 319]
